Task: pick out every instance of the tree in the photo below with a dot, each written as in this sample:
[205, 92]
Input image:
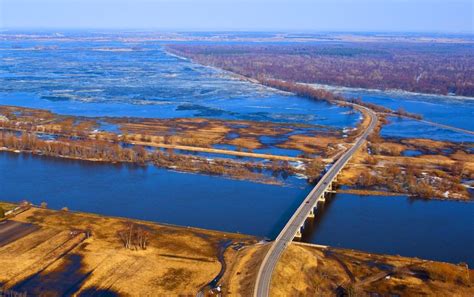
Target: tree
[313, 170]
[134, 237]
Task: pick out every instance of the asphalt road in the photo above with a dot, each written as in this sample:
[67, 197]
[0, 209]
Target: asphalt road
[262, 287]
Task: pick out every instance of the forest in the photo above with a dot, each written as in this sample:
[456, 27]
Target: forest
[433, 68]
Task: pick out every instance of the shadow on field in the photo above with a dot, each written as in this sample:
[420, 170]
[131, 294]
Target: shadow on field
[63, 282]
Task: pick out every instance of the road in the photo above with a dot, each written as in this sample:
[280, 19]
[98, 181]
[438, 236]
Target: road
[262, 286]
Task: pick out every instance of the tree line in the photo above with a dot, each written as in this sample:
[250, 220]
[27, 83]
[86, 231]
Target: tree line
[426, 68]
[107, 151]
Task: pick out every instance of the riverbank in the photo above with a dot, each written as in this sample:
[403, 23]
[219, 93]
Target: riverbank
[309, 270]
[60, 252]
[68, 252]
[201, 145]
[421, 168]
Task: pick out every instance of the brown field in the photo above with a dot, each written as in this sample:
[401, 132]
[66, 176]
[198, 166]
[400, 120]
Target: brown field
[436, 173]
[323, 146]
[55, 253]
[192, 132]
[306, 270]
[59, 258]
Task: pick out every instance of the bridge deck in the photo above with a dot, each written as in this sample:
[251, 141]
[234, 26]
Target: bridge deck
[288, 233]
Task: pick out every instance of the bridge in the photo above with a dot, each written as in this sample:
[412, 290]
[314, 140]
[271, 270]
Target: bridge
[295, 225]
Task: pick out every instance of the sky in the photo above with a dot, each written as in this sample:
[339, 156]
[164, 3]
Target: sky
[258, 15]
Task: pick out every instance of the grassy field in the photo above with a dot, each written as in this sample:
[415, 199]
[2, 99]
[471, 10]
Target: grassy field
[60, 258]
[318, 271]
[437, 172]
[7, 206]
[55, 253]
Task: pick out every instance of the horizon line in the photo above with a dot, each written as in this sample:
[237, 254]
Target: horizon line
[224, 30]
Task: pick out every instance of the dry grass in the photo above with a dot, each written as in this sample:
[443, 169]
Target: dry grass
[241, 274]
[435, 168]
[7, 206]
[177, 261]
[323, 145]
[316, 271]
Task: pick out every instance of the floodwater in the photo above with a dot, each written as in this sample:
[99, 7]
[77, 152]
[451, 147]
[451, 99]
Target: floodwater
[429, 229]
[407, 128]
[448, 110]
[89, 78]
[150, 193]
[142, 80]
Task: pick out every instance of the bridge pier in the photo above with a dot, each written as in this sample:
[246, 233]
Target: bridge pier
[322, 198]
[299, 233]
[312, 213]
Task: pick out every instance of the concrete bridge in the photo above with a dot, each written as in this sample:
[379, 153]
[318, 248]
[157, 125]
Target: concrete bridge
[320, 200]
[293, 229]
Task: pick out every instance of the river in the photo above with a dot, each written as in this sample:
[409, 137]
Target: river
[429, 229]
[150, 193]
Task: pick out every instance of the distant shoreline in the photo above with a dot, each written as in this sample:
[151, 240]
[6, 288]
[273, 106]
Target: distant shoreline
[397, 92]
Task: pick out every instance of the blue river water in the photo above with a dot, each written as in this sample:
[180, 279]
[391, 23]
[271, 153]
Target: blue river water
[407, 128]
[150, 193]
[429, 229]
[448, 110]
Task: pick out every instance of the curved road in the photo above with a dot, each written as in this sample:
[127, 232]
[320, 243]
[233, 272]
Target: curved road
[264, 277]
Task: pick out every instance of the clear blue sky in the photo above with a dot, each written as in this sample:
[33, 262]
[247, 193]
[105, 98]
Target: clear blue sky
[312, 15]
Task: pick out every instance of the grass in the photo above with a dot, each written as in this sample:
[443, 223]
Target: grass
[49, 261]
[7, 206]
[315, 271]
[435, 169]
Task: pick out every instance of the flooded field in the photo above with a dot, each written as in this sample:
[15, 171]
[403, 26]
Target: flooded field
[142, 80]
[448, 110]
[406, 128]
[435, 230]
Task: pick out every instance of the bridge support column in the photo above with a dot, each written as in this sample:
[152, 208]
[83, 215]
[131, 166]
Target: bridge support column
[298, 234]
[322, 198]
[311, 213]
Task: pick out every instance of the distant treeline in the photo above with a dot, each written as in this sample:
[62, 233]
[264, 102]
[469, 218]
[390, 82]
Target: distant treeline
[416, 67]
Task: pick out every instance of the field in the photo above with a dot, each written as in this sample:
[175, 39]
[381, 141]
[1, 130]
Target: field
[52, 253]
[436, 171]
[201, 145]
[319, 271]
[191, 132]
